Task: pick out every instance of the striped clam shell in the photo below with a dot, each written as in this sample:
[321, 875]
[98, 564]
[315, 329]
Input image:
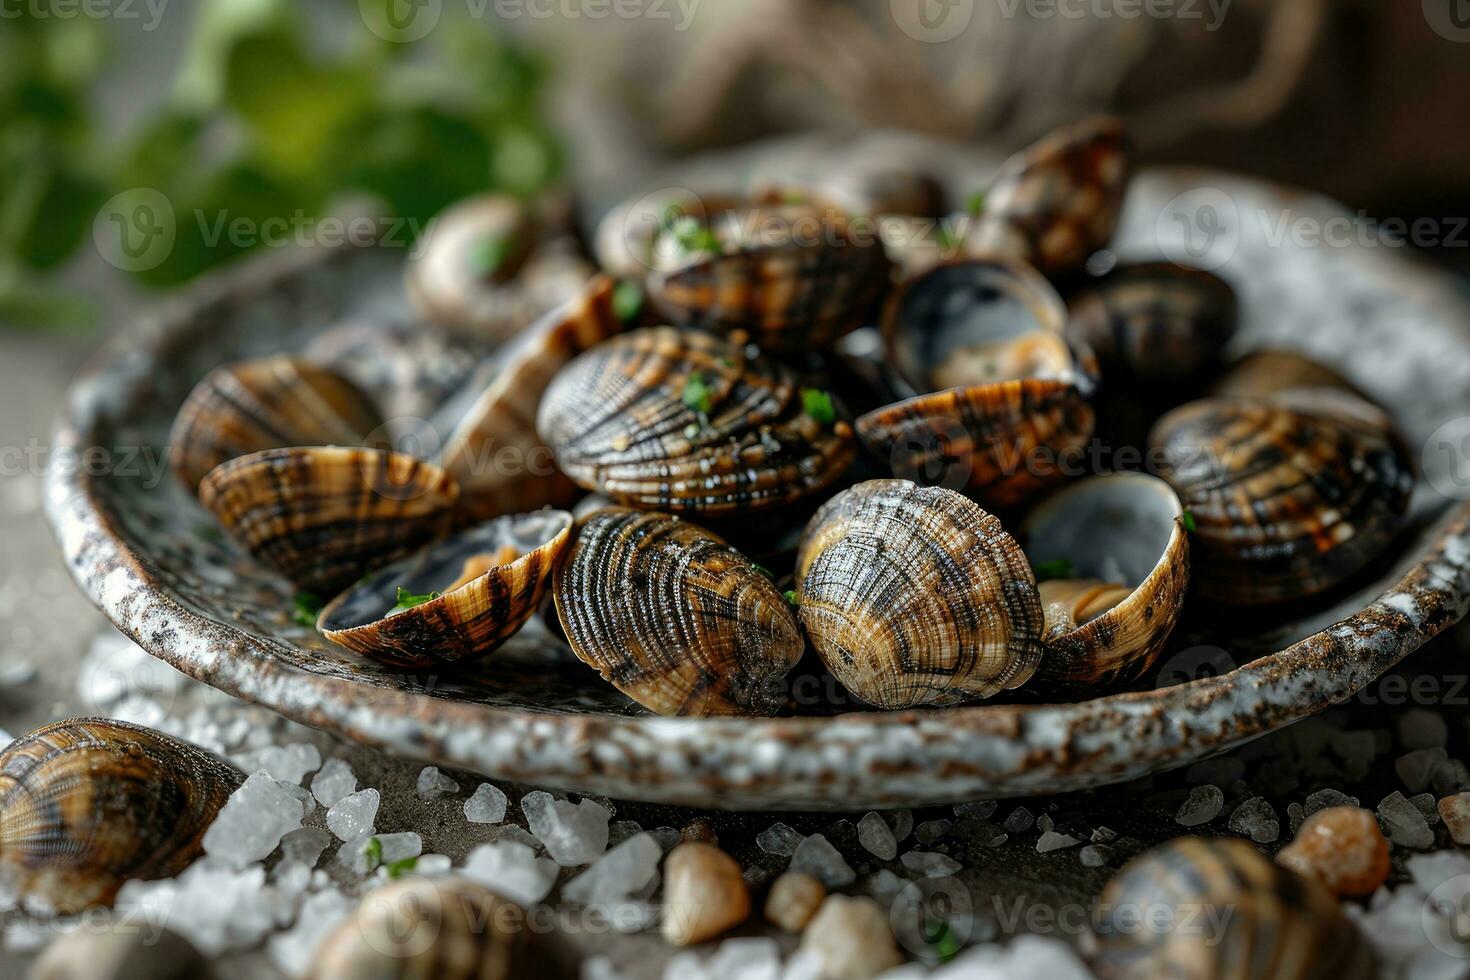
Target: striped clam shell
[621, 423]
[462, 624]
[1287, 501]
[1115, 528]
[1198, 909]
[798, 282]
[443, 927]
[674, 617]
[501, 465]
[89, 803]
[268, 403]
[1003, 437]
[915, 596]
[1056, 202]
[325, 516]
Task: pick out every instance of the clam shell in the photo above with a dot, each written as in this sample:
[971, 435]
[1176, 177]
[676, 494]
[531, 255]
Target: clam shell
[268, 403]
[914, 595]
[460, 625]
[1228, 912]
[325, 516]
[500, 463]
[1125, 528]
[1057, 202]
[1286, 502]
[625, 239]
[1270, 373]
[619, 423]
[674, 617]
[87, 804]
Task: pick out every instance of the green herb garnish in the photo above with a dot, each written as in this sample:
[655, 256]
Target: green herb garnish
[946, 238]
[943, 943]
[307, 608]
[373, 851]
[490, 253]
[627, 300]
[975, 203]
[400, 867]
[692, 236]
[407, 600]
[763, 570]
[790, 595]
[1188, 518]
[1057, 568]
[818, 404]
[697, 394]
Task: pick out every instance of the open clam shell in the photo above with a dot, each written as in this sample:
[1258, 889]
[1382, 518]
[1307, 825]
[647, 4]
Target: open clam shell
[674, 617]
[89, 803]
[325, 516]
[1124, 531]
[485, 583]
[269, 403]
[915, 596]
[691, 422]
[1287, 501]
[1001, 396]
[1056, 202]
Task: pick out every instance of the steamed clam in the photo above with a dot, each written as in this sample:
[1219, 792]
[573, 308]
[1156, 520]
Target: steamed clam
[1112, 555]
[674, 617]
[89, 803]
[915, 596]
[466, 595]
[270, 403]
[692, 422]
[999, 396]
[324, 516]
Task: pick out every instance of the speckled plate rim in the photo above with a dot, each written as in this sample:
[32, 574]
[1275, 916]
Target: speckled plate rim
[846, 762]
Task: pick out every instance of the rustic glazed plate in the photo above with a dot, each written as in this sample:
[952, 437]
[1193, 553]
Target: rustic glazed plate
[152, 559]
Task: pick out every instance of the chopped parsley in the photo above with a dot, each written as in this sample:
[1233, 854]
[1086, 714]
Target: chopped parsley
[401, 867]
[697, 393]
[818, 404]
[1057, 568]
[306, 609]
[763, 570]
[489, 255]
[791, 597]
[373, 851]
[975, 203]
[627, 300]
[692, 236]
[407, 600]
[946, 238]
[1188, 518]
[943, 943]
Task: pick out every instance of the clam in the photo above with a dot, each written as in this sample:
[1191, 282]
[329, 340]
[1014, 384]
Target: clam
[626, 238]
[674, 617]
[863, 187]
[87, 804]
[445, 928]
[268, 403]
[692, 422]
[999, 396]
[1285, 501]
[324, 516]
[1199, 909]
[915, 596]
[492, 264]
[1057, 202]
[493, 452]
[1113, 558]
[470, 593]
[1272, 373]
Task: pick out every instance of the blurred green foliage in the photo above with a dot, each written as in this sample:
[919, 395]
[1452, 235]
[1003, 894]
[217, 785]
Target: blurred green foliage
[258, 124]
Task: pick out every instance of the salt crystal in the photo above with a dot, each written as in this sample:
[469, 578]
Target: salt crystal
[988, 835]
[1415, 769]
[778, 839]
[1420, 728]
[305, 846]
[332, 782]
[745, 959]
[876, 836]
[1019, 821]
[816, 856]
[1425, 804]
[487, 805]
[902, 822]
[252, 822]
[352, 816]
[292, 951]
[1257, 820]
[624, 871]
[1094, 855]
[1455, 811]
[976, 810]
[1295, 815]
[667, 837]
[512, 871]
[1104, 835]
[1204, 804]
[1403, 822]
[518, 835]
[931, 830]
[400, 847]
[288, 763]
[620, 830]
[433, 864]
[1025, 956]
[573, 833]
[1053, 841]
[685, 966]
[217, 908]
[1324, 798]
[931, 864]
[433, 784]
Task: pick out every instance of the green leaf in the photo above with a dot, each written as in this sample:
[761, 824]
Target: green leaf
[818, 404]
[943, 943]
[697, 393]
[307, 608]
[1188, 518]
[975, 203]
[407, 600]
[402, 866]
[790, 595]
[1057, 568]
[692, 236]
[373, 851]
[627, 300]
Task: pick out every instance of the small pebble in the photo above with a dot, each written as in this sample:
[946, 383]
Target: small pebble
[1204, 804]
[704, 893]
[817, 857]
[876, 836]
[1455, 812]
[851, 939]
[486, 805]
[700, 829]
[793, 900]
[1341, 847]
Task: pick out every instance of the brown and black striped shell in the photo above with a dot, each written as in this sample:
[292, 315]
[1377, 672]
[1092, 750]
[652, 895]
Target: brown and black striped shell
[1198, 909]
[1155, 322]
[494, 453]
[674, 617]
[517, 554]
[915, 596]
[1117, 529]
[89, 803]
[268, 403]
[621, 422]
[442, 927]
[490, 265]
[793, 277]
[1286, 500]
[325, 516]
[1000, 431]
[1057, 202]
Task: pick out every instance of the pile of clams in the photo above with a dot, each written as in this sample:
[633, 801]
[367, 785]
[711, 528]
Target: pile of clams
[893, 404]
